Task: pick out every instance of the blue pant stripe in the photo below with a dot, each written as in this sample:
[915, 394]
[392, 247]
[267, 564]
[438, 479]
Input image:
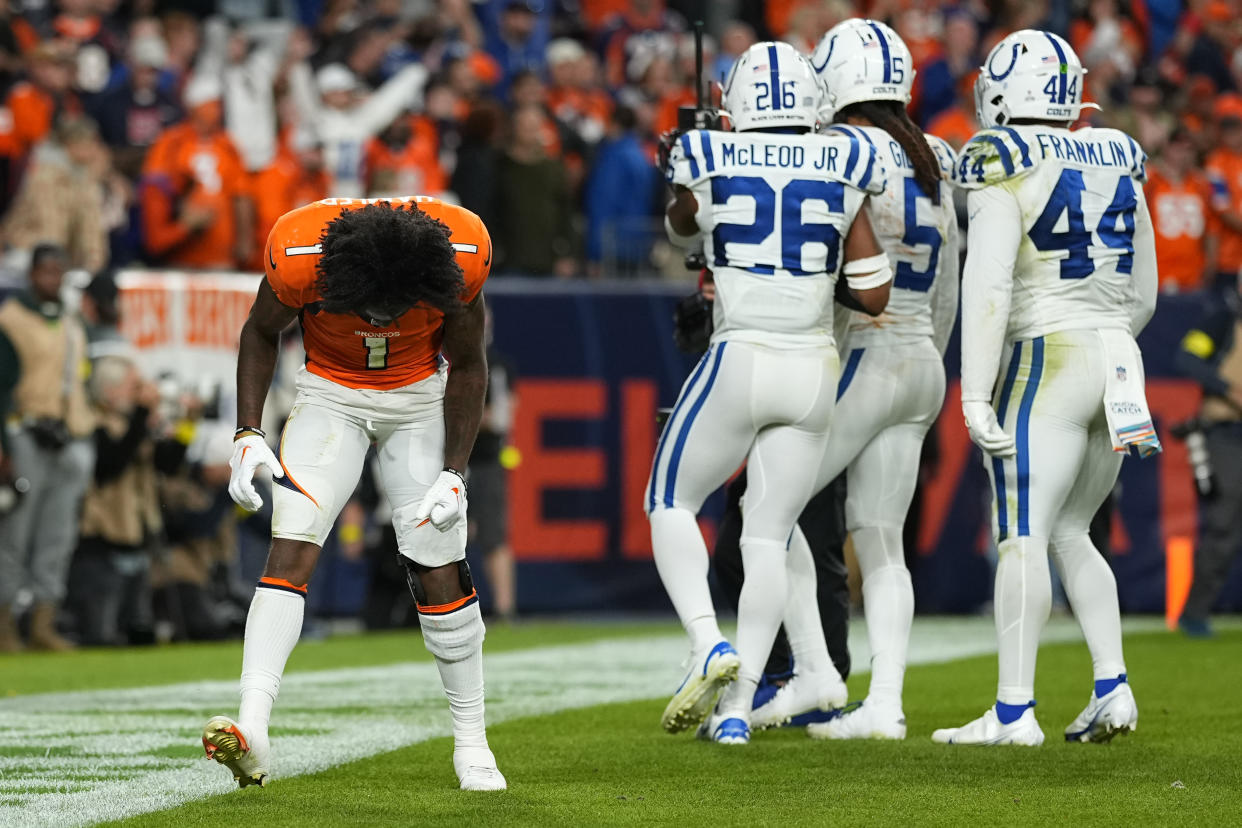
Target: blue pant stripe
[670, 479]
[998, 465]
[847, 376]
[1024, 435]
[668, 425]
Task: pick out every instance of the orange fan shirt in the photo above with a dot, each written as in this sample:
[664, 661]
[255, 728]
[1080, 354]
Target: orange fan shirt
[1224, 170]
[342, 347]
[1180, 215]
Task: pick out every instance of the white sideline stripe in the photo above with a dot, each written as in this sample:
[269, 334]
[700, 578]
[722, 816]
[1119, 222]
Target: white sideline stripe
[109, 735]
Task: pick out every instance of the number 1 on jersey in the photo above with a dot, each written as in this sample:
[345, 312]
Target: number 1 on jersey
[377, 352]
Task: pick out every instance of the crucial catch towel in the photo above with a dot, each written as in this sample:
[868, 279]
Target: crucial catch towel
[1125, 403]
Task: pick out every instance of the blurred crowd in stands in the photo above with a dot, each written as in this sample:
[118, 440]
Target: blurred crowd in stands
[173, 133]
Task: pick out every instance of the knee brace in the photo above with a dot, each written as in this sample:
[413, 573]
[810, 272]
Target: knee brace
[413, 572]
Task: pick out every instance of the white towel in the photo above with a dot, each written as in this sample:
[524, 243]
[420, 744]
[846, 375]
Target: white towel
[1125, 402]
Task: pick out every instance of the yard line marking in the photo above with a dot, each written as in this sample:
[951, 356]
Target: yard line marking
[91, 756]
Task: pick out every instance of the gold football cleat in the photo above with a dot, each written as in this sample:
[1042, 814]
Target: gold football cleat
[225, 742]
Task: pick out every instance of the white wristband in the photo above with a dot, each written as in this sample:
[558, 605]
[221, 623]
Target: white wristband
[867, 265]
[871, 280]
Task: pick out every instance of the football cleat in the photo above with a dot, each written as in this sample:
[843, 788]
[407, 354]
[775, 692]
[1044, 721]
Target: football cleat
[709, 672]
[801, 694]
[245, 755]
[477, 771]
[1104, 718]
[988, 730]
[724, 729]
[862, 721]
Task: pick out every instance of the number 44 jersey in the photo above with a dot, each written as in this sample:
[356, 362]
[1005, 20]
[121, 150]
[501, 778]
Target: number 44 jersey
[1078, 194]
[775, 209]
[344, 348]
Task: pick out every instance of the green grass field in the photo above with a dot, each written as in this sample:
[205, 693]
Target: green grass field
[607, 763]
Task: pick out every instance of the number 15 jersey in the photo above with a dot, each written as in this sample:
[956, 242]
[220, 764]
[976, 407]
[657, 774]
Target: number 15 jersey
[342, 347]
[775, 209]
[1080, 194]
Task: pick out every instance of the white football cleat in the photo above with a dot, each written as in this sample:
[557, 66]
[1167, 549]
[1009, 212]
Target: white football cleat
[725, 729]
[867, 721]
[246, 754]
[988, 730]
[477, 771]
[710, 671]
[801, 694]
[1116, 713]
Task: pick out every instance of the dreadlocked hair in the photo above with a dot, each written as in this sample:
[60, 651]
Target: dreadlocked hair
[387, 256]
[891, 117]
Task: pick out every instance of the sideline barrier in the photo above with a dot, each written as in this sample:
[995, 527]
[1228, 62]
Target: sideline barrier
[594, 360]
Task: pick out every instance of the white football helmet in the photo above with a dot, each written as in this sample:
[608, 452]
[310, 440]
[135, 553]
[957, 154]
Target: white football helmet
[771, 85]
[862, 60]
[1030, 74]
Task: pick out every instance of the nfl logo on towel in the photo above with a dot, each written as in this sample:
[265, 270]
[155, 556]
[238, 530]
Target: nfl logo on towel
[1121, 373]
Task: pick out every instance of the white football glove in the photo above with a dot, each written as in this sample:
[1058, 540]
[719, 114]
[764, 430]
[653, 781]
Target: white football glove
[249, 453]
[445, 502]
[985, 430]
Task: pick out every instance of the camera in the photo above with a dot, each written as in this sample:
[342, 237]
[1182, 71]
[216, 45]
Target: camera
[49, 433]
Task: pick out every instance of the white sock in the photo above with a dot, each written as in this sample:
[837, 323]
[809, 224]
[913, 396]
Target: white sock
[273, 625]
[1092, 592]
[1023, 599]
[455, 638]
[682, 561]
[803, 626]
[888, 606]
[759, 610]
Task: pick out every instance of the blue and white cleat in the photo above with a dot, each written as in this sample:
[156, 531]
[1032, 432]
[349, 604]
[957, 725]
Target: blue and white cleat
[988, 730]
[1104, 718]
[863, 720]
[724, 729]
[710, 671]
[804, 693]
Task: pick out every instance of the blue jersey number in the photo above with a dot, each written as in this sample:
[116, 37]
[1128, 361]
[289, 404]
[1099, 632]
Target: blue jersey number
[1066, 199]
[906, 276]
[794, 233]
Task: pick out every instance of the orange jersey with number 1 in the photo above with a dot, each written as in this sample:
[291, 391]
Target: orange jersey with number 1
[342, 347]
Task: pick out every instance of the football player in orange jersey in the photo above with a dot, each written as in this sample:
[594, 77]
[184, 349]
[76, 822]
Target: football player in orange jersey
[389, 293]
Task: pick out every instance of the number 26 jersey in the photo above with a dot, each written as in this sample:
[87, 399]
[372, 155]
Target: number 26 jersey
[342, 347]
[775, 209]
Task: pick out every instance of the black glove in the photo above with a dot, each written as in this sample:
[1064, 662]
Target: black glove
[665, 148]
[692, 324]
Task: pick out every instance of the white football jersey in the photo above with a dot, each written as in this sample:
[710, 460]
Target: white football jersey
[920, 238]
[775, 209]
[1078, 192]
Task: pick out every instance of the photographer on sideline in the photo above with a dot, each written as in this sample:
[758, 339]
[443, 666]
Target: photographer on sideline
[1211, 354]
[48, 453]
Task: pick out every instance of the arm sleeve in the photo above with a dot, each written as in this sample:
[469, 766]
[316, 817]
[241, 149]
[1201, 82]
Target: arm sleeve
[113, 456]
[402, 90]
[946, 289]
[987, 286]
[1145, 275]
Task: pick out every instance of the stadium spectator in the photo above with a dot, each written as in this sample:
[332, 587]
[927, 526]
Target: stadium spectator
[196, 211]
[345, 117]
[1205, 44]
[46, 94]
[295, 177]
[1224, 170]
[574, 96]
[958, 123]
[518, 40]
[1211, 354]
[623, 197]
[62, 196]
[403, 159]
[937, 85]
[43, 398]
[1179, 199]
[133, 113]
[101, 318]
[478, 159]
[1147, 118]
[1110, 45]
[109, 591]
[533, 229]
[641, 26]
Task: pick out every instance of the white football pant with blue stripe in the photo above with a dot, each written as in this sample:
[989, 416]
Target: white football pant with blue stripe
[770, 408]
[1051, 401]
[888, 398]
